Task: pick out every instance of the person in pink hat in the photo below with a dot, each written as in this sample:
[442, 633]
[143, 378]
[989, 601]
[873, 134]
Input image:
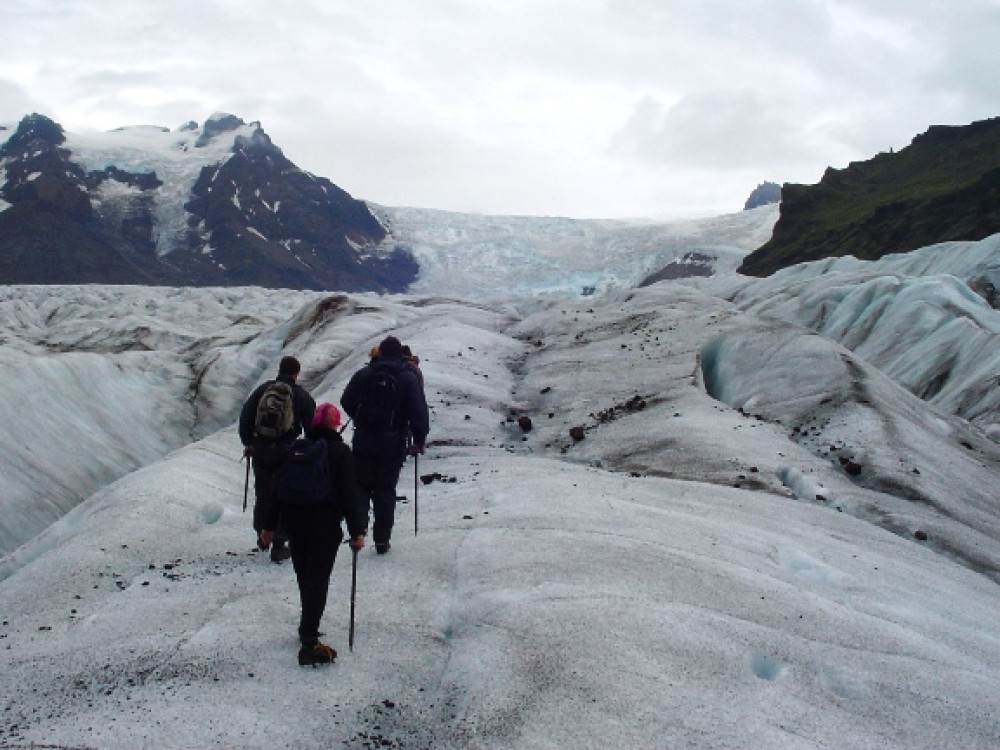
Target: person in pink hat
[315, 532]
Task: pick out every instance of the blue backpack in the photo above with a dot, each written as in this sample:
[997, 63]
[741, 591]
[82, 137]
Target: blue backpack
[304, 476]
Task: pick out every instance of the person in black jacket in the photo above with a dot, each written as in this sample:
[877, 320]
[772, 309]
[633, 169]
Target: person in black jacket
[265, 453]
[414, 362]
[380, 445]
[315, 533]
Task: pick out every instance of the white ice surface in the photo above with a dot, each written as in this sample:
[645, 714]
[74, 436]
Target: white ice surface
[693, 573]
[914, 316]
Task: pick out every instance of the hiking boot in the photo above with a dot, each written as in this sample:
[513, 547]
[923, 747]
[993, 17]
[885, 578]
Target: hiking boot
[382, 547]
[316, 653]
[280, 552]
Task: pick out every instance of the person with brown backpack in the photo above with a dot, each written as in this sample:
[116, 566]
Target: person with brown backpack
[272, 417]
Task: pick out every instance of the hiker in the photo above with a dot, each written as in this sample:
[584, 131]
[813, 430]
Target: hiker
[414, 362]
[272, 417]
[385, 400]
[315, 532]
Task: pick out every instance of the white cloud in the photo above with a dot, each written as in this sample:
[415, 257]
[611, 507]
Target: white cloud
[16, 101]
[720, 130]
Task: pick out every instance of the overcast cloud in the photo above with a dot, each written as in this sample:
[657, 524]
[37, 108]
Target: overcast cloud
[589, 108]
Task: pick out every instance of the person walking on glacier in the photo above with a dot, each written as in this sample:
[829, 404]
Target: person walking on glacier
[312, 500]
[272, 417]
[386, 401]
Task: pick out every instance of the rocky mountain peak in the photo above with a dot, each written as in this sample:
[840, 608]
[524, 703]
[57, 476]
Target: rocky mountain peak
[34, 130]
[213, 205]
[764, 194]
[220, 122]
[39, 171]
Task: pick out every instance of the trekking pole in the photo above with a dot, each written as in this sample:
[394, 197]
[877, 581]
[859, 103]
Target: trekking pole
[341, 430]
[354, 588]
[416, 491]
[246, 484]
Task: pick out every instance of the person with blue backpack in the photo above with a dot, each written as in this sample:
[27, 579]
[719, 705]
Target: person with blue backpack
[272, 417]
[386, 402]
[315, 492]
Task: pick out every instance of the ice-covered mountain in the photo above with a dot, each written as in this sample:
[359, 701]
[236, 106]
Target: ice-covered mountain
[496, 257]
[215, 204]
[218, 204]
[747, 513]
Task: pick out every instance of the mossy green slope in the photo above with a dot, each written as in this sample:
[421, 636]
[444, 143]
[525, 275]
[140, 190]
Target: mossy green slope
[944, 186]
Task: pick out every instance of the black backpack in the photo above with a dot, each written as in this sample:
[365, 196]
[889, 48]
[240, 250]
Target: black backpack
[304, 476]
[379, 400]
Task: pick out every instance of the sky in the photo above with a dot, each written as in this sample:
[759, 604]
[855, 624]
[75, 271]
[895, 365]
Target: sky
[589, 109]
[702, 570]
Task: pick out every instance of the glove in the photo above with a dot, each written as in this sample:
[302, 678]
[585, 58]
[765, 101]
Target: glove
[415, 450]
[247, 451]
[357, 542]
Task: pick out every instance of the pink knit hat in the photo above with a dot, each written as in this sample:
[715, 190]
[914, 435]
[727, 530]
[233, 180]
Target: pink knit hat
[327, 415]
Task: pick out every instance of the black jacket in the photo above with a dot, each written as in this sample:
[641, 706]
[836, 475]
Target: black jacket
[304, 405]
[347, 502]
[412, 414]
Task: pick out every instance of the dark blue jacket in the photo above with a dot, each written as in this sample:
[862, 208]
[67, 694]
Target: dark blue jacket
[411, 415]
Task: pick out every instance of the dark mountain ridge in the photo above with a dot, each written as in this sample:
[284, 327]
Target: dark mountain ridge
[944, 186]
[251, 217]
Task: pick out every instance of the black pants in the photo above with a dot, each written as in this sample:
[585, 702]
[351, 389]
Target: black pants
[263, 488]
[314, 535]
[377, 480]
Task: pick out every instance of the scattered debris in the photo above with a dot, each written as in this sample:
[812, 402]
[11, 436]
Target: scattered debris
[428, 478]
[634, 404]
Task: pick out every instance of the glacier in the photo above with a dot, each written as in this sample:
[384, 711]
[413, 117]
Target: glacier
[780, 527]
